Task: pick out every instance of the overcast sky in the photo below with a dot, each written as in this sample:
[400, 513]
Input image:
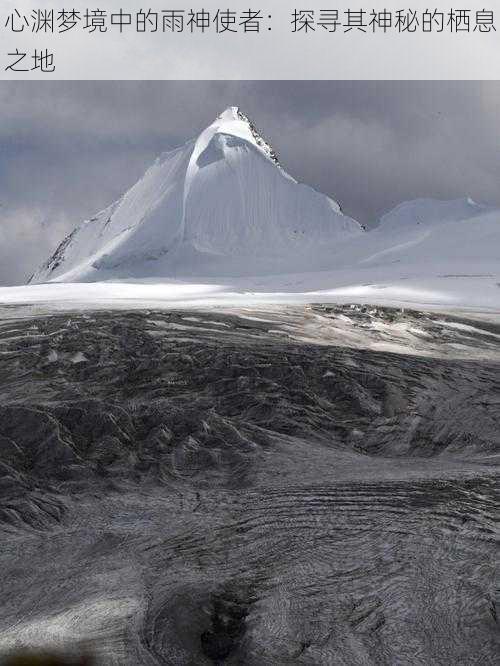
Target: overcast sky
[68, 149]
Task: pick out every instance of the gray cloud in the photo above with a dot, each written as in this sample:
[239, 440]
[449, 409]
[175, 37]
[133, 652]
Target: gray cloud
[67, 149]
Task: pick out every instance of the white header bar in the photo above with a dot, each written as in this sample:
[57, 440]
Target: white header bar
[279, 39]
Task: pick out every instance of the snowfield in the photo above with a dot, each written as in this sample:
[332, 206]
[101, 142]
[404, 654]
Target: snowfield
[462, 293]
[219, 221]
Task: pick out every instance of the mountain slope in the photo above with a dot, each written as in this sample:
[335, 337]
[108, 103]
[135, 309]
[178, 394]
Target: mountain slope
[219, 205]
[222, 217]
[427, 236]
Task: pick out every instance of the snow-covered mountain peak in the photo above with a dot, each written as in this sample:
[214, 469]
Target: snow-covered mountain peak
[234, 122]
[231, 113]
[219, 205]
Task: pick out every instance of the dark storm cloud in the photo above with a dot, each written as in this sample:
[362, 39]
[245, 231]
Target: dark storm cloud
[67, 149]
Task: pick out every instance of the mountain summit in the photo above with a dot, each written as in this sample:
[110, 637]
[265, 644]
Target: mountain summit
[220, 205]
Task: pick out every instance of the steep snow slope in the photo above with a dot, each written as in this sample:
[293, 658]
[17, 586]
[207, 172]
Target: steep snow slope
[220, 205]
[141, 226]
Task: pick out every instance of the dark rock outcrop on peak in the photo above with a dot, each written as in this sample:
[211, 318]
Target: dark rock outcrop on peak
[243, 488]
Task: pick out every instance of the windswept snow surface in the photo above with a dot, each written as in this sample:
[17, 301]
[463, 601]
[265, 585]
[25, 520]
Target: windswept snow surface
[218, 220]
